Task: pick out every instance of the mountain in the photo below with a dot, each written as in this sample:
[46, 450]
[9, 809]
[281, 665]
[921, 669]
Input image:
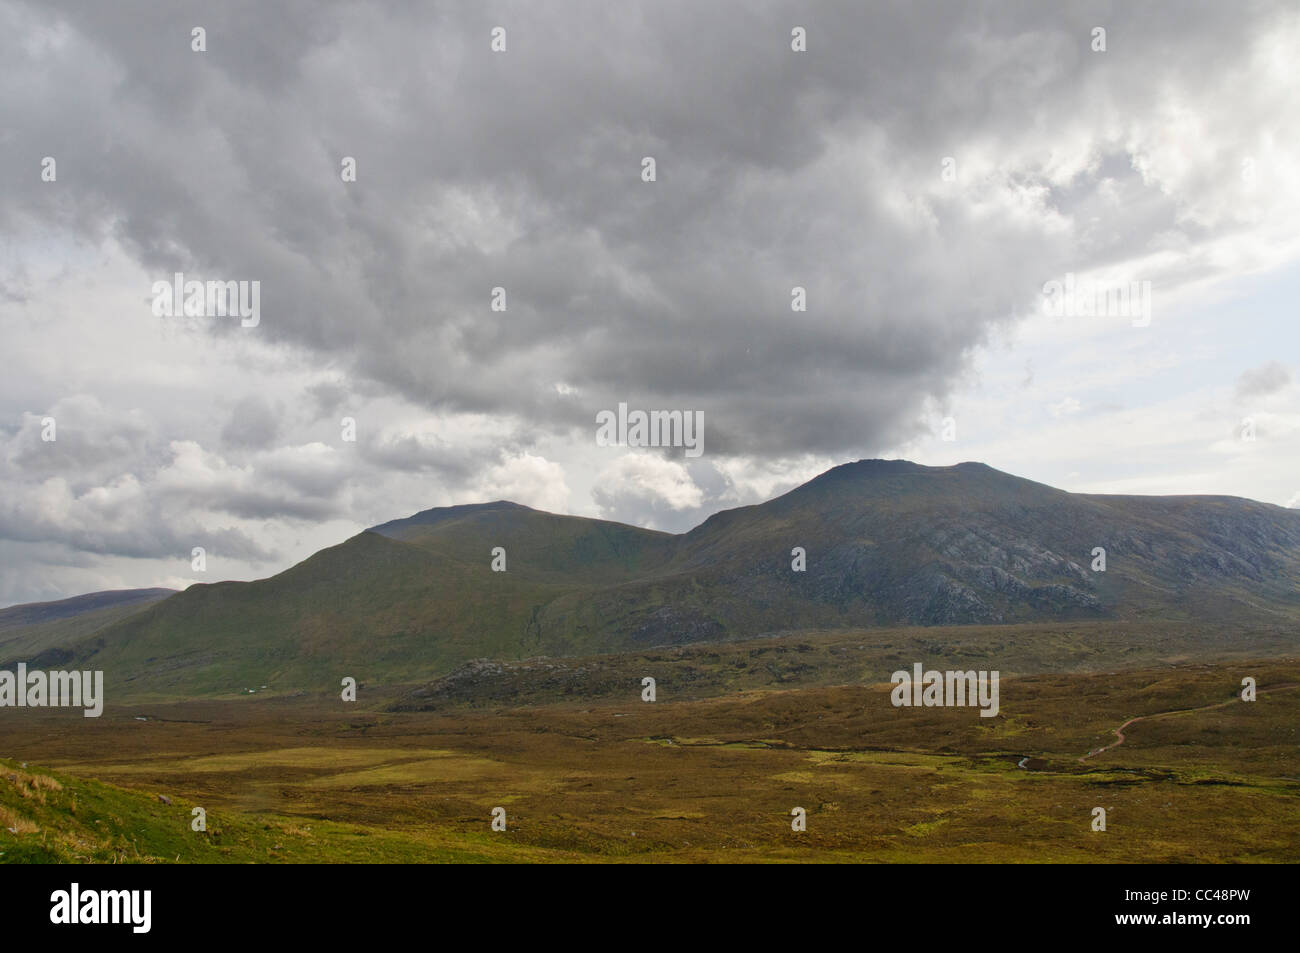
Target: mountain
[34, 612]
[35, 629]
[887, 542]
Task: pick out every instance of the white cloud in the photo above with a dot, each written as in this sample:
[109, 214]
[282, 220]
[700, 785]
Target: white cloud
[644, 483]
[525, 478]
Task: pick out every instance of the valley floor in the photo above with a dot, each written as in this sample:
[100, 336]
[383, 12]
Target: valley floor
[677, 780]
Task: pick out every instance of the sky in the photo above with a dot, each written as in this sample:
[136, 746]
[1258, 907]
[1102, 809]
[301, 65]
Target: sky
[922, 171]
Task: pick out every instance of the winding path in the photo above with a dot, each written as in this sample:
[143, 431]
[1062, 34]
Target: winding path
[1119, 732]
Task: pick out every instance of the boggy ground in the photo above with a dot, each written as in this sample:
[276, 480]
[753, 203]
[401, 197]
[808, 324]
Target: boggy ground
[702, 779]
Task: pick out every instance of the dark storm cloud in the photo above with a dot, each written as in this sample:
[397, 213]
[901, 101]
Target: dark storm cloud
[521, 170]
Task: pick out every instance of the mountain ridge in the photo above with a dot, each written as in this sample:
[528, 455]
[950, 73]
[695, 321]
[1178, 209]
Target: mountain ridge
[885, 543]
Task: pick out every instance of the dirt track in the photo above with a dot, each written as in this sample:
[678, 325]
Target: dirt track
[1119, 732]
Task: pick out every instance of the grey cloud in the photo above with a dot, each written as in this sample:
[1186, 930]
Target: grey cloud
[252, 424]
[89, 439]
[412, 454]
[93, 529]
[672, 294]
[522, 170]
[1263, 380]
[325, 399]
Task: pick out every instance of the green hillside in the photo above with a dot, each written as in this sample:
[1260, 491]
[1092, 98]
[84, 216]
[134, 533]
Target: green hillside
[39, 633]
